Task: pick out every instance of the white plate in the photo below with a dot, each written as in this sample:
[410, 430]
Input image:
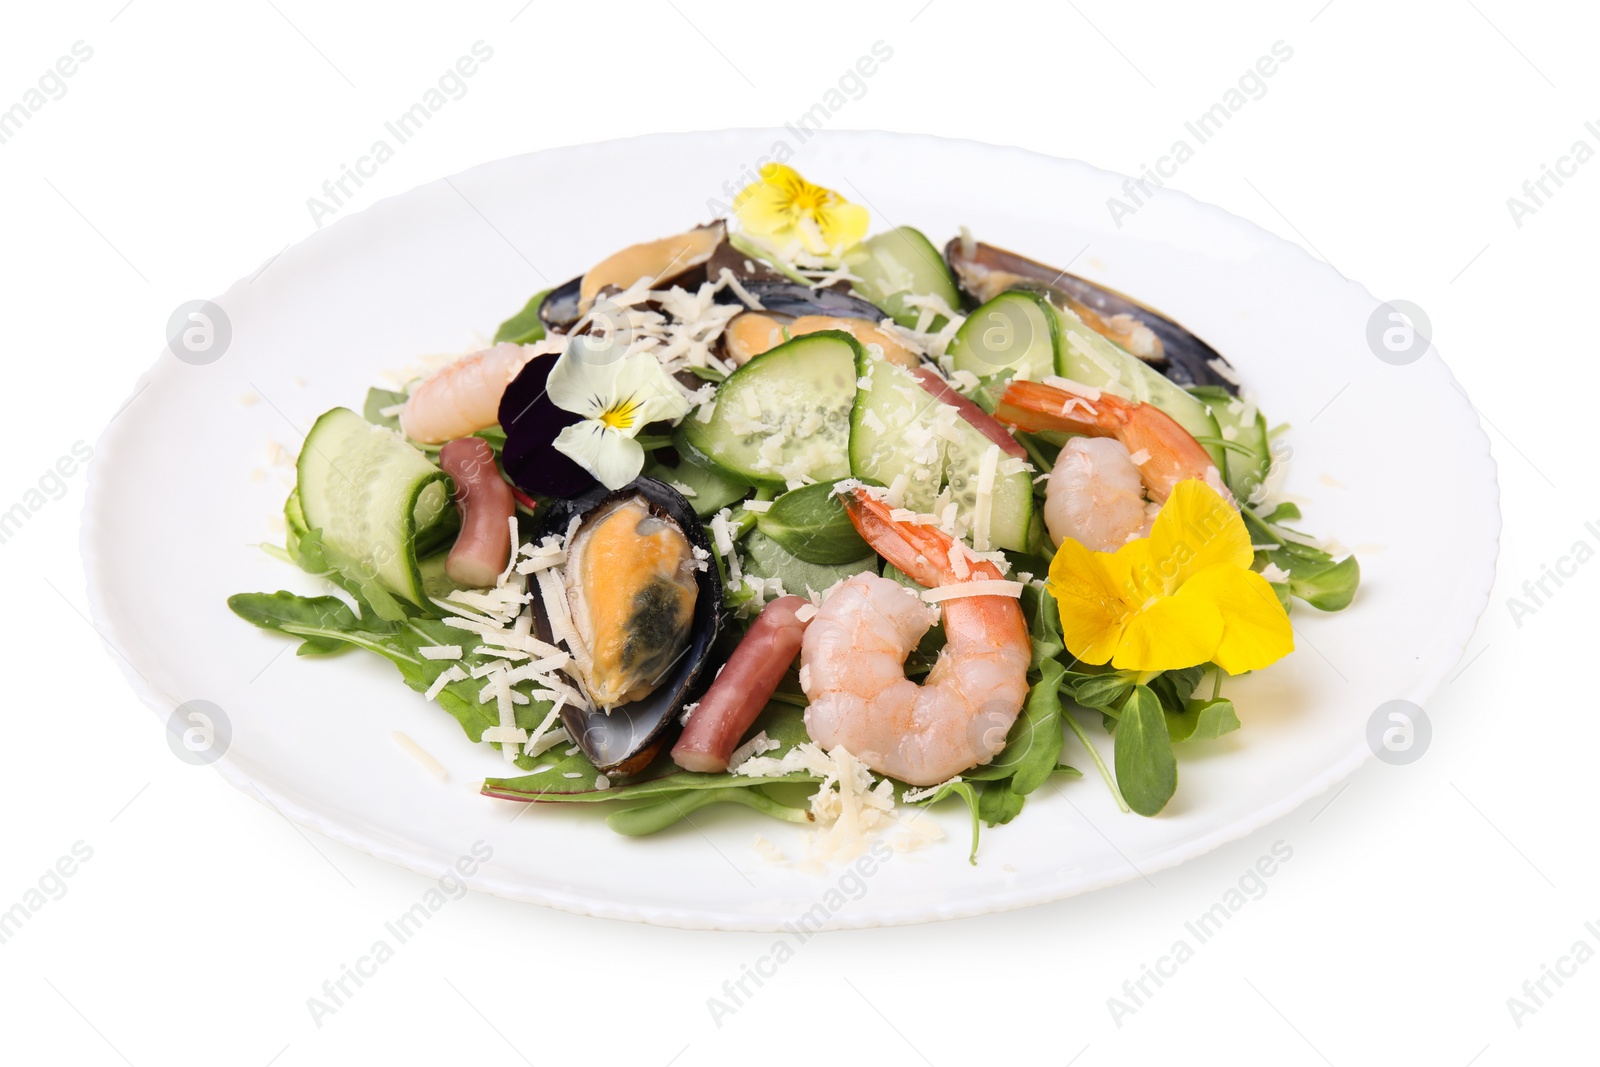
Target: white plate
[173, 514]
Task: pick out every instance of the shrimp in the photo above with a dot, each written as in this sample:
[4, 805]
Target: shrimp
[853, 659]
[1095, 496]
[1097, 487]
[464, 397]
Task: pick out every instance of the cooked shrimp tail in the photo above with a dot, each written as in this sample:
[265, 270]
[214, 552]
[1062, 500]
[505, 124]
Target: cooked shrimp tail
[1164, 451]
[853, 658]
[923, 552]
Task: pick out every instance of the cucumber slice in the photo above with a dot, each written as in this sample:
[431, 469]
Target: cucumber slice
[1087, 357]
[784, 415]
[1249, 452]
[970, 463]
[294, 522]
[904, 437]
[369, 493]
[897, 264]
[892, 434]
[1016, 335]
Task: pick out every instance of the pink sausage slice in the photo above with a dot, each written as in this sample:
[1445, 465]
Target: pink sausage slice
[981, 420]
[743, 688]
[484, 499]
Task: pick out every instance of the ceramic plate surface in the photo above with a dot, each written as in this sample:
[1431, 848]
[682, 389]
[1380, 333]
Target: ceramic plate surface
[182, 488]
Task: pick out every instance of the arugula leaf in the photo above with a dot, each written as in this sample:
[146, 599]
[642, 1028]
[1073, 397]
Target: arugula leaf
[783, 722]
[641, 819]
[1044, 626]
[327, 623]
[1203, 720]
[812, 524]
[766, 558]
[377, 400]
[311, 553]
[1314, 575]
[1094, 755]
[525, 327]
[1328, 588]
[1105, 693]
[1034, 744]
[997, 803]
[1147, 773]
[1175, 687]
[495, 436]
[276, 611]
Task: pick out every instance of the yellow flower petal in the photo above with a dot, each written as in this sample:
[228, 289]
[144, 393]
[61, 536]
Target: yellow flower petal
[764, 210]
[1092, 610]
[784, 207]
[1196, 530]
[1256, 631]
[1169, 633]
[786, 180]
[843, 224]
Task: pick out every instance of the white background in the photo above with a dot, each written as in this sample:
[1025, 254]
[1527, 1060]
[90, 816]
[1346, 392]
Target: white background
[1418, 898]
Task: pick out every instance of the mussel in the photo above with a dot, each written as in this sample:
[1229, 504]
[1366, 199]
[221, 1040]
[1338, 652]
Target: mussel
[789, 309]
[754, 332]
[646, 609]
[676, 260]
[784, 297]
[985, 272]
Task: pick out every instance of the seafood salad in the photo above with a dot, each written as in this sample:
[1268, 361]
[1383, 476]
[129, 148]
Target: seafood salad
[831, 526]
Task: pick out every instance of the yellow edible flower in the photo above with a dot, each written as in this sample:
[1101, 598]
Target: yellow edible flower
[783, 207]
[1183, 596]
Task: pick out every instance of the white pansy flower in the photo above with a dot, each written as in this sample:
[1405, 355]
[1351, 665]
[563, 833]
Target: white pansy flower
[617, 395]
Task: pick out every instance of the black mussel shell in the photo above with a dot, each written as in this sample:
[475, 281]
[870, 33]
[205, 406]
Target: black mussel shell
[559, 310]
[625, 740]
[684, 267]
[1186, 359]
[785, 297]
[531, 422]
[745, 268]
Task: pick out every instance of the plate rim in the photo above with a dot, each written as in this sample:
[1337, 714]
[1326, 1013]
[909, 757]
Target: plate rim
[1473, 593]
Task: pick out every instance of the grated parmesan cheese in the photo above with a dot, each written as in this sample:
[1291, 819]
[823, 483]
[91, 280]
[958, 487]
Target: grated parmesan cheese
[983, 507]
[1088, 392]
[983, 587]
[1222, 368]
[754, 747]
[421, 755]
[454, 674]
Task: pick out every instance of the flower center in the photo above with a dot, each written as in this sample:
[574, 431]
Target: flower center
[619, 415]
[808, 200]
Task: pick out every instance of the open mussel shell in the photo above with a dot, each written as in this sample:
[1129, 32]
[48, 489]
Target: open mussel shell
[985, 272]
[677, 260]
[626, 739]
[784, 297]
[746, 268]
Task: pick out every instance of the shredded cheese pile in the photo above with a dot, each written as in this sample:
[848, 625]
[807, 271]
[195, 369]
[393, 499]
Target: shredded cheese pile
[509, 654]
